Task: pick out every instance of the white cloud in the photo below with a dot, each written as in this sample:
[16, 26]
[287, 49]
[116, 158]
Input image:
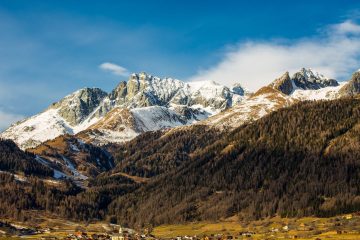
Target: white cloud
[347, 27]
[6, 119]
[114, 68]
[335, 53]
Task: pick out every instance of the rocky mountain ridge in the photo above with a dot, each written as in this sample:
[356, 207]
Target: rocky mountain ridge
[144, 102]
[305, 79]
[149, 103]
[283, 92]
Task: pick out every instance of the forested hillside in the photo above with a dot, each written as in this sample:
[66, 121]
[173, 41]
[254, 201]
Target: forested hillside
[303, 160]
[159, 152]
[13, 159]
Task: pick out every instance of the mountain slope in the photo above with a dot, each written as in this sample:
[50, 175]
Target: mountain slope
[73, 158]
[66, 116]
[14, 160]
[288, 163]
[282, 92]
[161, 151]
[123, 124]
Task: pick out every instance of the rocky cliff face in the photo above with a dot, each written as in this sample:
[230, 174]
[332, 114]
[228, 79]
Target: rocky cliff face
[352, 88]
[307, 79]
[283, 84]
[304, 79]
[77, 106]
[143, 90]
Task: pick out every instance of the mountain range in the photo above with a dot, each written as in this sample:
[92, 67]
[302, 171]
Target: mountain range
[184, 151]
[143, 103]
[148, 103]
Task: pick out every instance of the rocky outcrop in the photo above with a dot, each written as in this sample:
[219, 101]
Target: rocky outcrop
[144, 90]
[304, 79]
[119, 93]
[352, 88]
[238, 89]
[307, 79]
[77, 106]
[283, 84]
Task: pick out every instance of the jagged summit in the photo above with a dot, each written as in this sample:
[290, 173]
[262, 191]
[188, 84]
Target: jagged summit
[144, 90]
[311, 75]
[283, 84]
[304, 79]
[307, 79]
[144, 103]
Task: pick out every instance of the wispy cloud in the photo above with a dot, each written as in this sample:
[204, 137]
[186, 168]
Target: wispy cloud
[347, 27]
[6, 119]
[114, 69]
[335, 52]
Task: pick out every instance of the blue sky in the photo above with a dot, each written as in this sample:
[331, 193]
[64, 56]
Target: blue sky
[51, 48]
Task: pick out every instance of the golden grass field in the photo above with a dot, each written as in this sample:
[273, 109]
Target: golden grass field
[340, 227]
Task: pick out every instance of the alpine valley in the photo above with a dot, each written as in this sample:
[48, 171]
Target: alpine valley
[158, 151]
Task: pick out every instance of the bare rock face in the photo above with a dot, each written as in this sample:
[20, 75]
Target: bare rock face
[77, 106]
[238, 89]
[119, 93]
[144, 90]
[137, 83]
[283, 84]
[307, 79]
[352, 88]
[304, 79]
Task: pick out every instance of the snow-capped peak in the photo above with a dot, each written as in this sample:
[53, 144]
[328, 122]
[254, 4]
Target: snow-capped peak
[308, 79]
[311, 75]
[86, 107]
[305, 79]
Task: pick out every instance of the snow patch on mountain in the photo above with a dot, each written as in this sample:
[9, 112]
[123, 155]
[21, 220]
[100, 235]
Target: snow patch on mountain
[261, 103]
[156, 117]
[40, 128]
[326, 93]
[122, 125]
